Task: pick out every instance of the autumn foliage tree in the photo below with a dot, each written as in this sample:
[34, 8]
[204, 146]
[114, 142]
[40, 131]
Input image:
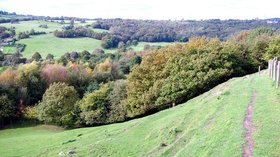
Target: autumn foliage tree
[54, 73]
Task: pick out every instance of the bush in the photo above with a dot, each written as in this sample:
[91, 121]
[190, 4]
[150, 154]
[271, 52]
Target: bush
[57, 105]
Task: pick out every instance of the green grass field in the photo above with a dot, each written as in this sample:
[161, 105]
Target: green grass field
[24, 26]
[209, 125]
[99, 30]
[57, 46]
[9, 49]
[140, 46]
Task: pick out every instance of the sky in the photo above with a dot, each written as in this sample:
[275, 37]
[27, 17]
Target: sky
[147, 9]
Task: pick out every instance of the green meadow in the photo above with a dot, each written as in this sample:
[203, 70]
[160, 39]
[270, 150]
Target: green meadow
[48, 43]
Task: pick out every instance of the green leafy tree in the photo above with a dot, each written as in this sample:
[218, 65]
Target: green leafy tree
[50, 57]
[57, 105]
[2, 56]
[116, 96]
[94, 106]
[7, 108]
[36, 56]
[273, 49]
[135, 60]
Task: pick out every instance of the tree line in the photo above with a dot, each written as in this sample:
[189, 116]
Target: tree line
[88, 89]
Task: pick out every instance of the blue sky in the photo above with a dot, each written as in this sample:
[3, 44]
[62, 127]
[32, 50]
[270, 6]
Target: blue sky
[147, 9]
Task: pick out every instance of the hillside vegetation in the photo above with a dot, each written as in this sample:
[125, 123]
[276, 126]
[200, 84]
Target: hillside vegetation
[208, 125]
[118, 87]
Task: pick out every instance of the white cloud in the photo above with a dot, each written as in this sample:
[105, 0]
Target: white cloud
[147, 9]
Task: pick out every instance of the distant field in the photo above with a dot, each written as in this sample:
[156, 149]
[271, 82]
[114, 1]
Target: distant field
[9, 49]
[48, 43]
[28, 25]
[210, 125]
[24, 26]
[12, 16]
[99, 30]
[140, 46]
[57, 46]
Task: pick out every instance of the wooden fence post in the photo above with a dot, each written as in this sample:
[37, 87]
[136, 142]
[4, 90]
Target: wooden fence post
[278, 74]
[275, 70]
[269, 68]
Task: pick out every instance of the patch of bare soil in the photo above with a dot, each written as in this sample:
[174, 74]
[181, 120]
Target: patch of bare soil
[248, 148]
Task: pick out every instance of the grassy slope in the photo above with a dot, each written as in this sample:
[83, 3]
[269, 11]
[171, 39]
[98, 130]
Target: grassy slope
[208, 125]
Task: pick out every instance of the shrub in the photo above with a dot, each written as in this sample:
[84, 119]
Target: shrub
[57, 105]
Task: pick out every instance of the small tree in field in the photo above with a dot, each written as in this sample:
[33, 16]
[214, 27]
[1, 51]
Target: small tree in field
[57, 105]
[36, 56]
[50, 57]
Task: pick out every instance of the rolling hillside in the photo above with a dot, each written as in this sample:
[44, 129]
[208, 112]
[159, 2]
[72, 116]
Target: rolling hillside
[212, 124]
